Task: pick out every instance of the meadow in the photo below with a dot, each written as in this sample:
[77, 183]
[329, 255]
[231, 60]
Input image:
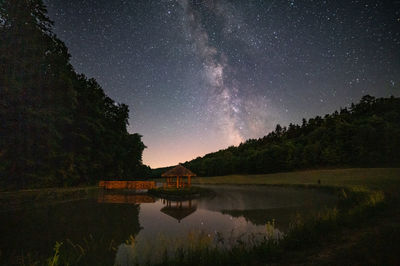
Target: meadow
[387, 179]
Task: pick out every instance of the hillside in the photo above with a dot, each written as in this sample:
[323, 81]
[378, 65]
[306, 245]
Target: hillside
[366, 134]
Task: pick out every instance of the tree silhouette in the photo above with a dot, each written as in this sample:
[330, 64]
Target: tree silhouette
[57, 127]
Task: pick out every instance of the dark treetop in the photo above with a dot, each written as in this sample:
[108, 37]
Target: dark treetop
[367, 135]
[57, 127]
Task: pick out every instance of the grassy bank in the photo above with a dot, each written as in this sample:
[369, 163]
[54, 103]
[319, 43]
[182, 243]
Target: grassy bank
[30, 197]
[387, 179]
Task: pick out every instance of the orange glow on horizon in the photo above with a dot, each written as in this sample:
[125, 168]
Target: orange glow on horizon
[180, 151]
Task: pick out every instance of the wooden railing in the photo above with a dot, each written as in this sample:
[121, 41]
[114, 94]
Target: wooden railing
[173, 185]
[125, 198]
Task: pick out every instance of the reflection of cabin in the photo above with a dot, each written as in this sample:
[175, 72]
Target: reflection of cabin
[125, 198]
[179, 173]
[134, 185]
[179, 209]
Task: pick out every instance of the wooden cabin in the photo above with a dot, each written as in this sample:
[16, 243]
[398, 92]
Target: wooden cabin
[176, 177]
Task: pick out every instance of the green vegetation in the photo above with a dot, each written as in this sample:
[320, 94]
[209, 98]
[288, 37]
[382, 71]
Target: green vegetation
[365, 135]
[387, 179]
[58, 128]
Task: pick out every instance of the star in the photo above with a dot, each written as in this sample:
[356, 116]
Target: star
[206, 75]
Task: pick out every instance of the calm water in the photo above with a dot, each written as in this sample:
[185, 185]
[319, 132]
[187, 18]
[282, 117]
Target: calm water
[121, 228]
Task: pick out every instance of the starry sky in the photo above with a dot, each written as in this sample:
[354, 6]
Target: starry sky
[200, 76]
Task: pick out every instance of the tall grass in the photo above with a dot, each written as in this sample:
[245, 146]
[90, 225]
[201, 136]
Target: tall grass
[54, 261]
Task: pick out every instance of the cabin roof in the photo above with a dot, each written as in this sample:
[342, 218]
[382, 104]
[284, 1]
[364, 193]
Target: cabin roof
[178, 213]
[179, 170]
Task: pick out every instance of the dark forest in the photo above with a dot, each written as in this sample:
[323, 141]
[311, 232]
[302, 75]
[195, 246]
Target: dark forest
[58, 128]
[365, 135]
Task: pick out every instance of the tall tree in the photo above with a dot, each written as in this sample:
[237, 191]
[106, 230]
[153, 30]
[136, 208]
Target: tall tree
[57, 127]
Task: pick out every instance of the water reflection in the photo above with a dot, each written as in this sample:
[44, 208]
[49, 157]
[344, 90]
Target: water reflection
[97, 229]
[105, 197]
[179, 209]
[261, 204]
[125, 228]
[235, 213]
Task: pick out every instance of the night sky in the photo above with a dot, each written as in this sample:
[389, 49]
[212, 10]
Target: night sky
[199, 76]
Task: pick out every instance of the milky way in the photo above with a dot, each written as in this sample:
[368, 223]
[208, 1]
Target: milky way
[199, 76]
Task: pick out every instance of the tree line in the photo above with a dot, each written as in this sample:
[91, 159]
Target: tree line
[57, 127]
[366, 134]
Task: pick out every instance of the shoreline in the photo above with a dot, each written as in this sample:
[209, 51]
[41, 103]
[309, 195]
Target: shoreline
[367, 199]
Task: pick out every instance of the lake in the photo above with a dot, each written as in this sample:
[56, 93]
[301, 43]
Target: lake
[119, 229]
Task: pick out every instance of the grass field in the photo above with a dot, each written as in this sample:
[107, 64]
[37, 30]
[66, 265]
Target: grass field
[387, 179]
